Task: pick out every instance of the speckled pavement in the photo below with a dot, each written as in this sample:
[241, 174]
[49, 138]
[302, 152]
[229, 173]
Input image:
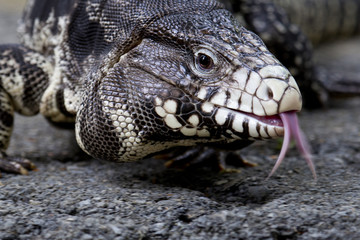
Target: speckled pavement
[72, 196]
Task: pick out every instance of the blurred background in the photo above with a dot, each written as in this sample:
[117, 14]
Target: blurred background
[10, 12]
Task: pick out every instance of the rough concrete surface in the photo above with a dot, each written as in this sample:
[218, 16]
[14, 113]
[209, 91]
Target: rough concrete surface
[72, 196]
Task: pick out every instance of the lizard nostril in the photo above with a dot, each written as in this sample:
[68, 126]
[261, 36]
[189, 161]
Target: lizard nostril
[270, 93]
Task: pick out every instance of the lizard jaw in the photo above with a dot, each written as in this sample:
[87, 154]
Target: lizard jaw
[244, 125]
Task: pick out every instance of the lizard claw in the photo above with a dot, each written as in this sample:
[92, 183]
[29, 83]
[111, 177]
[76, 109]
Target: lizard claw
[16, 165]
[25, 163]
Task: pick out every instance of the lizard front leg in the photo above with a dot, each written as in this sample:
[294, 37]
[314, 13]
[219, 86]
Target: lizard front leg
[24, 76]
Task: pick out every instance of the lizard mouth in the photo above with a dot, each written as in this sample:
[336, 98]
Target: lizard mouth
[274, 120]
[249, 125]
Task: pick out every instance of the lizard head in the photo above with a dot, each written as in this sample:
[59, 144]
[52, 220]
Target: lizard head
[193, 77]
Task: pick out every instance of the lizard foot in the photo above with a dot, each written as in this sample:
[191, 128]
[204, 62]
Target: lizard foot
[216, 159]
[16, 165]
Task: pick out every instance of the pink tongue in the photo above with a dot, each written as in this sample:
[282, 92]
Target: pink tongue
[292, 130]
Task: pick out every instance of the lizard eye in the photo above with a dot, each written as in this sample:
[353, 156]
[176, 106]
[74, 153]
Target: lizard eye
[205, 61]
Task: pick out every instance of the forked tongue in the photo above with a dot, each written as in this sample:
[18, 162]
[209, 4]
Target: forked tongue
[292, 130]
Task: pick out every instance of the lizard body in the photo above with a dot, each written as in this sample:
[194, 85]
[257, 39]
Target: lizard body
[139, 77]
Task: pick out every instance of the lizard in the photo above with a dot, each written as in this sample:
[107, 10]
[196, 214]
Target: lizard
[138, 77]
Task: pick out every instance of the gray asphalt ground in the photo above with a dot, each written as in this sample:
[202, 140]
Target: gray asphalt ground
[72, 196]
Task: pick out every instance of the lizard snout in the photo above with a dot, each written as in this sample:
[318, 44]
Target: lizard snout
[281, 90]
